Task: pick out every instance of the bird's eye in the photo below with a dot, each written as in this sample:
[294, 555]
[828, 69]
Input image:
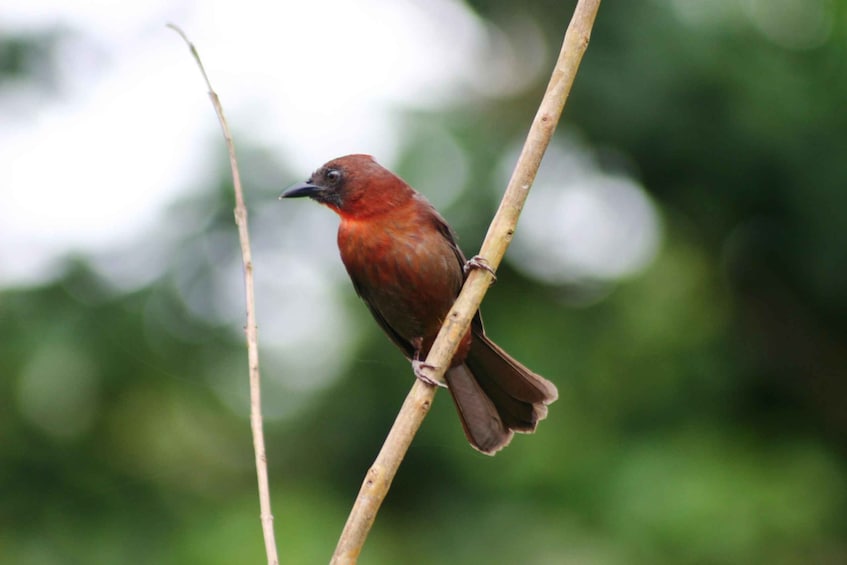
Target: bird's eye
[333, 176]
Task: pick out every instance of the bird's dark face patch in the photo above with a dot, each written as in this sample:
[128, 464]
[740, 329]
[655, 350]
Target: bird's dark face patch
[324, 186]
[330, 184]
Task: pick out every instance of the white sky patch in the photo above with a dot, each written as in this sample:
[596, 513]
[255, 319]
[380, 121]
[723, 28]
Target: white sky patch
[580, 223]
[93, 169]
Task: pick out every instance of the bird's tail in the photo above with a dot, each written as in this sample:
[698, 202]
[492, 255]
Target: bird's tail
[496, 395]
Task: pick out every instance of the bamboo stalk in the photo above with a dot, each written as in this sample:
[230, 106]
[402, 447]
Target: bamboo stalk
[416, 406]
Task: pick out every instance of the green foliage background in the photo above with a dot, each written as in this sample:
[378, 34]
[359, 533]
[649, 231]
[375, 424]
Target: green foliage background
[702, 416]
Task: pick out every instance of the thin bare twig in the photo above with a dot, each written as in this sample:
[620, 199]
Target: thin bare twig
[250, 330]
[417, 403]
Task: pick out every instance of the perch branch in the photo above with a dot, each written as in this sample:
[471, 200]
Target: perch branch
[417, 403]
[250, 330]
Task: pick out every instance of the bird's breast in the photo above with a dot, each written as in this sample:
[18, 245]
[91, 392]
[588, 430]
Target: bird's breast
[405, 270]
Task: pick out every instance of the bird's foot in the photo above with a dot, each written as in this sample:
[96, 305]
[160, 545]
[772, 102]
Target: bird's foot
[419, 367]
[478, 262]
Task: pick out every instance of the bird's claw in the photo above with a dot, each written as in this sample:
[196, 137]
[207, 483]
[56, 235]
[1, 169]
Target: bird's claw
[478, 262]
[419, 367]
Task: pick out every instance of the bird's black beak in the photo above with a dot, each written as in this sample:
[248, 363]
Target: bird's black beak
[301, 189]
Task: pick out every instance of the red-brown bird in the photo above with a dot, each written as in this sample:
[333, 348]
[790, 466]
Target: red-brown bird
[404, 263]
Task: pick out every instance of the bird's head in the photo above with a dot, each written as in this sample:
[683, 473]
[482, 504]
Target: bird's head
[355, 186]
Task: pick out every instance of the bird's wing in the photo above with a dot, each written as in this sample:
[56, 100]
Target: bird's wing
[407, 348]
[448, 234]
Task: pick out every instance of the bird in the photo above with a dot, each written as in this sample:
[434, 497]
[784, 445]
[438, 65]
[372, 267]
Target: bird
[404, 262]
